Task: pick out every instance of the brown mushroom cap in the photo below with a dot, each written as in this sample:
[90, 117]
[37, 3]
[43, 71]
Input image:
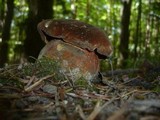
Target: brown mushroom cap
[76, 33]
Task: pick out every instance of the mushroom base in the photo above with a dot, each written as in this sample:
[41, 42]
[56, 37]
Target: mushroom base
[75, 62]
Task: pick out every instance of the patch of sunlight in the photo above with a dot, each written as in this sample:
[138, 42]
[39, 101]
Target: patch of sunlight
[18, 42]
[11, 54]
[104, 17]
[110, 37]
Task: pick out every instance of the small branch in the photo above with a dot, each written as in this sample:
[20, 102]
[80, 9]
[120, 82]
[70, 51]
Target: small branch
[28, 89]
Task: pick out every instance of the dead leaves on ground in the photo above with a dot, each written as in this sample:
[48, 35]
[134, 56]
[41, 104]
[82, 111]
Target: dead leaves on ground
[116, 98]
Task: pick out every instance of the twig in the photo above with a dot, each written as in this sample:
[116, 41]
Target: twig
[132, 79]
[131, 92]
[30, 81]
[97, 109]
[37, 83]
[80, 111]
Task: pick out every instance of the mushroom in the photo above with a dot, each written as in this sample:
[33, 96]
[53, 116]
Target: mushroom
[77, 45]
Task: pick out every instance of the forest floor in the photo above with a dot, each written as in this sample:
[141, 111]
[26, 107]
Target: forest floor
[34, 92]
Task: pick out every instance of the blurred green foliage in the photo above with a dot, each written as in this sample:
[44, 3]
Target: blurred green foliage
[105, 14]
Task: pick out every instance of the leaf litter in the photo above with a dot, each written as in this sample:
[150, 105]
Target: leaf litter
[40, 91]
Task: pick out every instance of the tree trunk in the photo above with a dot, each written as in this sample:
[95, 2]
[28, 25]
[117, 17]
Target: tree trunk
[88, 10]
[157, 36]
[6, 33]
[137, 35]
[2, 15]
[148, 36]
[124, 38]
[38, 10]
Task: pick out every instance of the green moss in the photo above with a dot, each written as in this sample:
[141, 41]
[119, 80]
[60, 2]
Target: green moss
[156, 89]
[44, 67]
[81, 82]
